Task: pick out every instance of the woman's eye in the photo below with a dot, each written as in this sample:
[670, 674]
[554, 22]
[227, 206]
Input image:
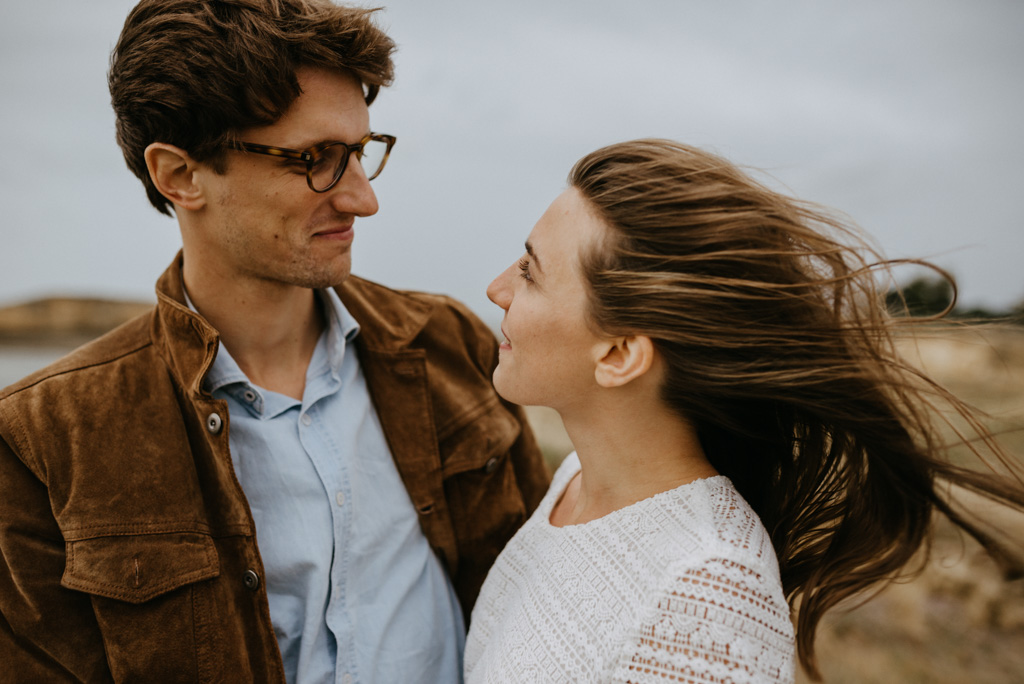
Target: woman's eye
[524, 269]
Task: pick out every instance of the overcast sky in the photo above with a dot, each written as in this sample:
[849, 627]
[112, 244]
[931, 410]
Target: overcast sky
[905, 114]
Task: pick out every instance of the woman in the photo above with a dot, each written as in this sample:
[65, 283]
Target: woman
[748, 445]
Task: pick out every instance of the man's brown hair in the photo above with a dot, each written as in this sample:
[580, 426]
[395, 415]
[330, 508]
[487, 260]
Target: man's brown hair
[192, 73]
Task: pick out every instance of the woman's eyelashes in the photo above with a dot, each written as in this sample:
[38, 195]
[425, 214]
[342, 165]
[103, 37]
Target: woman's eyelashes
[524, 270]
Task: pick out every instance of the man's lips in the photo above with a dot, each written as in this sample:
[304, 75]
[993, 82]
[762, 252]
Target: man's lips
[345, 232]
[505, 344]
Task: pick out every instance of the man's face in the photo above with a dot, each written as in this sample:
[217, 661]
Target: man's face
[262, 222]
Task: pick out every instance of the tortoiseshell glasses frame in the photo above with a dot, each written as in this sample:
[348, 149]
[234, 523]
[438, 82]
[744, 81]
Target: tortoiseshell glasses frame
[326, 162]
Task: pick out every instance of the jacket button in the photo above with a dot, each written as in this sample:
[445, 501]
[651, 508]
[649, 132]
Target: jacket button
[214, 424]
[491, 465]
[251, 580]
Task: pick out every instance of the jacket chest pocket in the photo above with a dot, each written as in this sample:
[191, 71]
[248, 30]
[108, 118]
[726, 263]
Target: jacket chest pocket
[150, 598]
[479, 478]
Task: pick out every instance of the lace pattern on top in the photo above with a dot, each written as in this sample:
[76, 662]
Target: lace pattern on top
[680, 587]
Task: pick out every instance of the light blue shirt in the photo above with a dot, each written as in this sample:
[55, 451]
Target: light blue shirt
[356, 594]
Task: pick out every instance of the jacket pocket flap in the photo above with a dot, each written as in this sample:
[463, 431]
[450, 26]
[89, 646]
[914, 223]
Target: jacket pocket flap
[137, 568]
[481, 443]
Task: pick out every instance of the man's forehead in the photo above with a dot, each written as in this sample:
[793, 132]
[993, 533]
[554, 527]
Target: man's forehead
[329, 108]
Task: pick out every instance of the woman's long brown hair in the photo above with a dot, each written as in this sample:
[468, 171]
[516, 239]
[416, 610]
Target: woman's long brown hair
[781, 353]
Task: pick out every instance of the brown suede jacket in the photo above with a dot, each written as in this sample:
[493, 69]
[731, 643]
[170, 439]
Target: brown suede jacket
[127, 548]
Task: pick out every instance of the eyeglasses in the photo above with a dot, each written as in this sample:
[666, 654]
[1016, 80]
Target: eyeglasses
[327, 161]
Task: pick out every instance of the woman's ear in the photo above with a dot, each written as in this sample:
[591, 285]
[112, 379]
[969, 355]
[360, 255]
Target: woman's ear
[625, 359]
[173, 172]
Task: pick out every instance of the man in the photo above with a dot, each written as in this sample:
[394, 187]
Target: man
[270, 397]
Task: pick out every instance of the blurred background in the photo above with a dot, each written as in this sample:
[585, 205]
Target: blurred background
[904, 114]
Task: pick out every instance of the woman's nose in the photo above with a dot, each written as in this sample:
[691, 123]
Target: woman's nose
[498, 291]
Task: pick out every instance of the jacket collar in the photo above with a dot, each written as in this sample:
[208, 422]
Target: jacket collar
[389, 321]
[186, 341]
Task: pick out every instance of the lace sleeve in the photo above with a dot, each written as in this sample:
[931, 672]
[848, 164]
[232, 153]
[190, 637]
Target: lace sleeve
[716, 622]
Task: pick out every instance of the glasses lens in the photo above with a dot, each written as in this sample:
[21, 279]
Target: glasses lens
[375, 153]
[329, 165]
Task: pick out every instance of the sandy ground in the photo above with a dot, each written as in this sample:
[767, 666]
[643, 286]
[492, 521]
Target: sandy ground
[960, 619]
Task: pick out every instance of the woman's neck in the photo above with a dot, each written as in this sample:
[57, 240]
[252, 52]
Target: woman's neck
[629, 450]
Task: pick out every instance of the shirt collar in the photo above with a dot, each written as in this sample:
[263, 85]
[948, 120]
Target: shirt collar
[342, 328]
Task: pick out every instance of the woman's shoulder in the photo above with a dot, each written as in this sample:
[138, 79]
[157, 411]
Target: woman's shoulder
[720, 593]
[713, 521]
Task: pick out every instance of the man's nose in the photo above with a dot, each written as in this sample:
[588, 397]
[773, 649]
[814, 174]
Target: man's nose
[353, 194]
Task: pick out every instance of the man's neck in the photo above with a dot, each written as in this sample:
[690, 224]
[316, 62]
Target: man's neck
[270, 329]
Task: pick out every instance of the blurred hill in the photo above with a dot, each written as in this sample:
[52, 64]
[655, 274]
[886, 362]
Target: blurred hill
[931, 296]
[64, 321]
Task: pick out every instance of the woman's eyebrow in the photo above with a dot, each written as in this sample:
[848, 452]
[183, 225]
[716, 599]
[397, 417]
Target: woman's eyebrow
[533, 255]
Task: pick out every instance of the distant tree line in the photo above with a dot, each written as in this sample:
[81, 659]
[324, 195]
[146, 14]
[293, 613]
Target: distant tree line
[929, 296]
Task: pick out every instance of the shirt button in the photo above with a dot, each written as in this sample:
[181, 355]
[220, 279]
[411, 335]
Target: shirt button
[346, 679]
[251, 580]
[249, 396]
[306, 420]
[491, 465]
[214, 423]
[340, 498]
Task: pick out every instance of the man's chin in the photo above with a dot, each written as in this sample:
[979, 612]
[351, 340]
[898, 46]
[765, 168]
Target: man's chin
[333, 276]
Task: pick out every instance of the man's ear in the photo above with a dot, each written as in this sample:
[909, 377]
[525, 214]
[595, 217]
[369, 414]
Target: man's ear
[625, 359]
[173, 172]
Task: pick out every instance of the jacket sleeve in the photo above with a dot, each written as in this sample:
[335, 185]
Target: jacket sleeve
[47, 633]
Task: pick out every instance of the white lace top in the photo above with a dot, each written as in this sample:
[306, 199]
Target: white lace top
[681, 587]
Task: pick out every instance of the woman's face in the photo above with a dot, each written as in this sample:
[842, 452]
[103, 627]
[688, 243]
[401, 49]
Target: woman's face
[548, 353]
